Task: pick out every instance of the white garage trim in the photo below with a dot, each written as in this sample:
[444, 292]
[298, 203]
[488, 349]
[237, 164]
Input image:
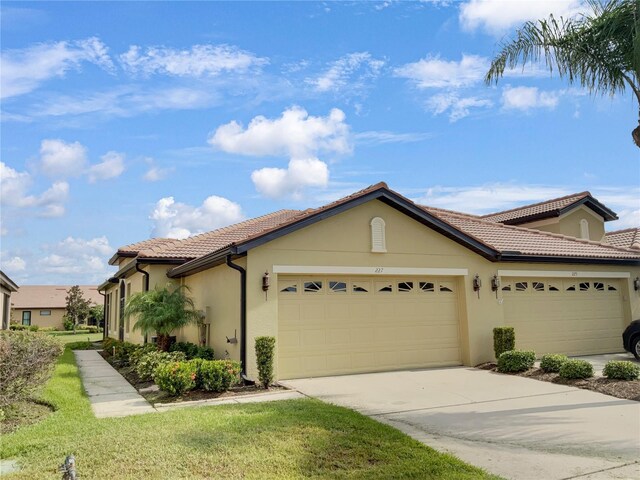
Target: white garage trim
[562, 274]
[329, 270]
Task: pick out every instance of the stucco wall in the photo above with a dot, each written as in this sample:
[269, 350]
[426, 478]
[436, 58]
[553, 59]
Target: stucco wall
[54, 320]
[569, 224]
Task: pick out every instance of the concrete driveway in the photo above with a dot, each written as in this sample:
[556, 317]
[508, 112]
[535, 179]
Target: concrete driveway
[511, 426]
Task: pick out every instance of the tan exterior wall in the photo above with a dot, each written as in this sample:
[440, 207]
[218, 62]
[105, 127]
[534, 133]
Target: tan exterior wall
[5, 307]
[569, 224]
[54, 320]
[216, 291]
[345, 240]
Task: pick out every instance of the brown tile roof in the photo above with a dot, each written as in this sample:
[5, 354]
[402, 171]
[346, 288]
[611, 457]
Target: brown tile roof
[527, 241]
[629, 238]
[536, 208]
[143, 245]
[50, 296]
[199, 245]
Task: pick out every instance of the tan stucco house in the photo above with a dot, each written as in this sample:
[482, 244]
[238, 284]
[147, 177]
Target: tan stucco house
[377, 282]
[7, 287]
[45, 305]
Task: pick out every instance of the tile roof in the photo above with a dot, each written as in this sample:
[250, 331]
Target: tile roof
[199, 245]
[50, 296]
[527, 241]
[535, 209]
[629, 238]
[143, 245]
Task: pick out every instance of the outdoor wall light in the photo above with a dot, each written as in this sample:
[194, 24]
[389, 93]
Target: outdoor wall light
[495, 283]
[265, 281]
[636, 284]
[477, 283]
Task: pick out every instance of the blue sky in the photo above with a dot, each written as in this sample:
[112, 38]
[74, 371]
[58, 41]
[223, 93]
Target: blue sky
[122, 121]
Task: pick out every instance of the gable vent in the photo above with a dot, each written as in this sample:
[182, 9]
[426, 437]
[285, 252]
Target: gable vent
[378, 243]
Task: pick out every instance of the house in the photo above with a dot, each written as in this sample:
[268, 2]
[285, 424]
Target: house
[45, 305]
[7, 287]
[376, 282]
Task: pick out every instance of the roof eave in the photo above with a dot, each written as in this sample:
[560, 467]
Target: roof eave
[594, 205]
[568, 259]
[205, 262]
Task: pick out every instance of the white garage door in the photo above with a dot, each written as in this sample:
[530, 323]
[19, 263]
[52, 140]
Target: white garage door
[331, 325]
[570, 316]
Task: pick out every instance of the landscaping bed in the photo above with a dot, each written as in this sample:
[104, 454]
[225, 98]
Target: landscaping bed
[625, 389]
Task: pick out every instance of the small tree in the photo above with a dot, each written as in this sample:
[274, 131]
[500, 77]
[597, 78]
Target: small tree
[265, 347]
[96, 313]
[162, 310]
[78, 307]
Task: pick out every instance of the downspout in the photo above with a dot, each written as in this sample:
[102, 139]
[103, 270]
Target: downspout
[105, 328]
[145, 287]
[243, 319]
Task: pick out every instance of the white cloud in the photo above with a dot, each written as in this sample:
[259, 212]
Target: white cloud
[381, 137]
[497, 16]
[179, 220]
[295, 133]
[351, 70]
[527, 98]
[111, 166]
[457, 107]
[300, 173]
[59, 159]
[26, 69]
[198, 61]
[625, 201]
[72, 246]
[433, 72]
[14, 192]
[14, 265]
[74, 258]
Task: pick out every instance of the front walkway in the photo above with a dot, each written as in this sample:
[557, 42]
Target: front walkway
[109, 392]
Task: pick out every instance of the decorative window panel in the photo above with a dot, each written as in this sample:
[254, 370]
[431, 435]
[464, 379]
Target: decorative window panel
[599, 286]
[378, 240]
[446, 287]
[537, 286]
[570, 287]
[405, 287]
[314, 286]
[521, 286]
[611, 288]
[360, 287]
[289, 287]
[584, 286]
[506, 288]
[337, 287]
[553, 288]
[384, 287]
[427, 287]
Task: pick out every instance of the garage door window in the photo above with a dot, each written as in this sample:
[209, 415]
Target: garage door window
[446, 287]
[289, 288]
[361, 287]
[611, 288]
[554, 288]
[537, 286]
[405, 287]
[384, 287]
[428, 287]
[521, 286]
[337, 287]
[314, 286]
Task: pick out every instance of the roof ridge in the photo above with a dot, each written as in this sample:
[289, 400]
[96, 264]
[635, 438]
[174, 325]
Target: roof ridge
[577, 195]
[447, 210]
[622, 230]
[547, 234]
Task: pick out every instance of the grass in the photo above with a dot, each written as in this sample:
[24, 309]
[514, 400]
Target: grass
[70, 337]
[278, 440]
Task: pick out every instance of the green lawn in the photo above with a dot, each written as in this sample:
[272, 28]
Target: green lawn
[69, 337]
[279, 440]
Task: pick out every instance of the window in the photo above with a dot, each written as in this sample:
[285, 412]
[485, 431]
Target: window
[360, 287]
[26, 317]
[427, 287]
[584, 229]
[313, 286]
[45, 313]
[337, 287]
[289, 288]
[378, 241]
[611, 288]
[384, 287]
[571, 288]
[537, 286]
[553, 288]
[405, 286]
[584, 286]
[599, 286]
[521, 286]
[506, 288]
[446, 288]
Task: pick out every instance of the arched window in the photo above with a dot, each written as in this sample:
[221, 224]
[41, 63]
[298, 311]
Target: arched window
[378, 242]
[584, 229]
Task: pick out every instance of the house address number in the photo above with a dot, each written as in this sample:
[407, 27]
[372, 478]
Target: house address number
[379, 270]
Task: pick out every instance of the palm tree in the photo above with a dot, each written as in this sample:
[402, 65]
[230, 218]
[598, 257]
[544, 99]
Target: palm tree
[162, 310]
[600, 51]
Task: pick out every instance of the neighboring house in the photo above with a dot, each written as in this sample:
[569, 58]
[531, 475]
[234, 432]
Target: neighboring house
[376, 282]
[7, 287]
[45, 305]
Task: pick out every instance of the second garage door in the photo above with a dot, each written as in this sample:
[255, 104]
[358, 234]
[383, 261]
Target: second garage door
[339, 325]
[569, 316]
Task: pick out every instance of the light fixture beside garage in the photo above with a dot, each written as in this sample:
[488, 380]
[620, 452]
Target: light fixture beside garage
[636, 284]
[495, 284]
[265, 284]
[477, 283]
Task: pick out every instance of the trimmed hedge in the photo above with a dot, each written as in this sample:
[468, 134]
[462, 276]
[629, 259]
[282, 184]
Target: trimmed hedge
[265, 348]
[621, 370]
[148, 363]
[575, 369]
[191, 350]
[552, 362]
[216, 375]
[504, 340]
[176, 378]
[515, 361]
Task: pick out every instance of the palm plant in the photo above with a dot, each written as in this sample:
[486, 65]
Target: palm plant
[162, 310]
[600, 51]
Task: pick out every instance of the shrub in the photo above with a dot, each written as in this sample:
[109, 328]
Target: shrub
[108, 343]
[621, 370]
[82, 345]
[18, 327]
[206, 353]
[123, 353]
[138, 353]
[47, 329]
[189, 349]
[265, 347]
[515, 361]
[150, 361]
[34, 328]
[504, 340]
[552, 362]
[176, 378]
[217, 375]
[94, 329]
[26, 363]
[67, 323]
[572, 369]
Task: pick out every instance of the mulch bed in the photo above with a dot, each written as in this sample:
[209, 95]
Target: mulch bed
[625, 389]
[163, 397]
[24, 413]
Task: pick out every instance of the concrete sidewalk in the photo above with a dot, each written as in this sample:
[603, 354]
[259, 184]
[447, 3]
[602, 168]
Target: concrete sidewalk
[110, 394]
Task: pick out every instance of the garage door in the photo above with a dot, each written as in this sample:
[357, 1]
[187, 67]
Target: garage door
[570, 316]
[338, 325]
